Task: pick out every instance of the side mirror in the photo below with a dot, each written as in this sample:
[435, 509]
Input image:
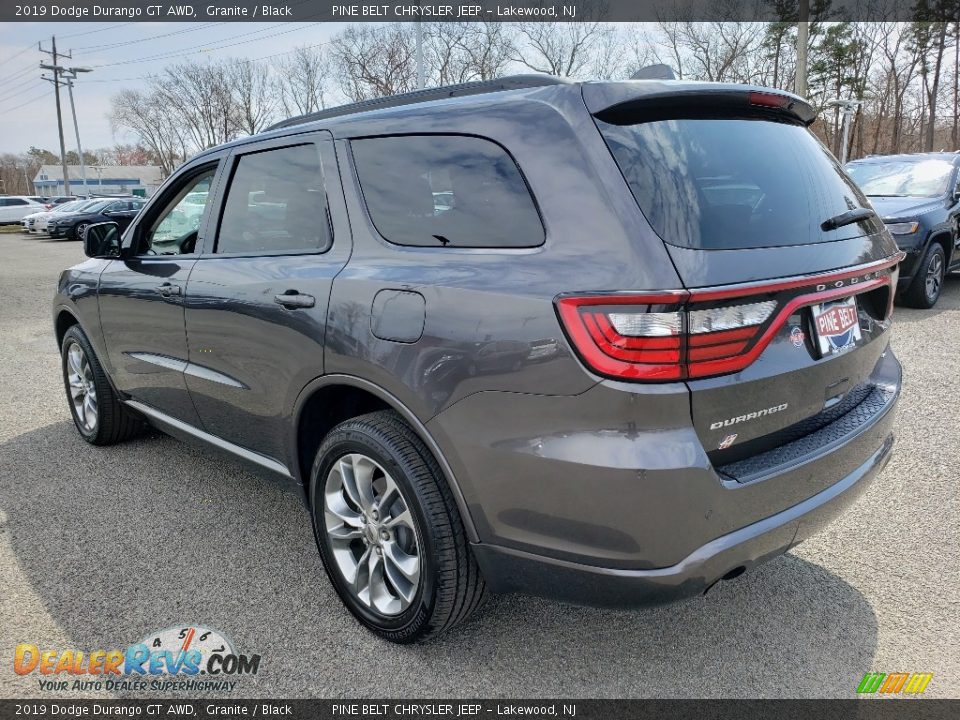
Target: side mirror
[102, 240]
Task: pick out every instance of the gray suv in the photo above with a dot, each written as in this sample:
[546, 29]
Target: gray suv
[605, 342]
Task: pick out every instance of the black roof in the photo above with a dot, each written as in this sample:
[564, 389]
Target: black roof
[513, 82]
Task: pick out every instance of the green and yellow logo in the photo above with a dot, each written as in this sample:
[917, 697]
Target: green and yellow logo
[893, 683]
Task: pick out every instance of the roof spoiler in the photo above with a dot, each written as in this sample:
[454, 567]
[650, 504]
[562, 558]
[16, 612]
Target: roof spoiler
[626, 103]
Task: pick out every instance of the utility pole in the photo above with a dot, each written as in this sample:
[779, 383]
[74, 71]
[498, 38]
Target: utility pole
[848, 108]
[803, 39]
[421, 81]
[71, 74]
[56, 91]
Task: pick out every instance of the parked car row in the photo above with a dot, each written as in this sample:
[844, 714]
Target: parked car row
[918, 198]
[69, 219]
[14, 207]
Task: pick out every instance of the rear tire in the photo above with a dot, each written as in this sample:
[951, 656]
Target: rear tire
[389, 531]
[924, 290]
[100, 417]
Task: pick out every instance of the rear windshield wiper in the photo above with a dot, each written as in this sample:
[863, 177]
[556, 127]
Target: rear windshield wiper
[847, 218]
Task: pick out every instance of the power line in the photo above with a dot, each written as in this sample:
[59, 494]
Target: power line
[16, 76]
[196, 51]
[104, 48]
[16, 55]
[44, 94]
[252, 60]
[16, 90]
[98, 30]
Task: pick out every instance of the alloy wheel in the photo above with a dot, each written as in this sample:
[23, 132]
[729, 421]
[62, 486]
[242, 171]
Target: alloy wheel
[372, 534]
[934, 276]
[83, 392]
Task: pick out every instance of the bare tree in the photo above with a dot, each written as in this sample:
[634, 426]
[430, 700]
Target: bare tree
[487, 49]
[303, 81]
[200, 98]
[374, 61]
[254, 95]
[716, 51]
[146, 115]
[564, 48]
[639, 48]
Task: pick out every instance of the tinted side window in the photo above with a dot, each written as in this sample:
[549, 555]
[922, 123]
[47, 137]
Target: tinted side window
[446, 191]
[276, 203]
[17, 201]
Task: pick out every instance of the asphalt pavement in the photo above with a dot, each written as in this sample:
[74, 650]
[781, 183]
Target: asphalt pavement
[101, 546]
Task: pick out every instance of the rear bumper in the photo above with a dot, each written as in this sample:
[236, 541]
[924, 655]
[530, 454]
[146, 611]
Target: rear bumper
[509, 570]
[628, 515]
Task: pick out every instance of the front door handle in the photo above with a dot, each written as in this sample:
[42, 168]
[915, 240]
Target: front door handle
[292, 300]
[168, 289]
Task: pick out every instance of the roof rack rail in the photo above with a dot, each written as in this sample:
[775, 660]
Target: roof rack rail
[512, 82]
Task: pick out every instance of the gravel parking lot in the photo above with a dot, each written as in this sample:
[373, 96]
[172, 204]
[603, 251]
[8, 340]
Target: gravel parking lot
[99, 546]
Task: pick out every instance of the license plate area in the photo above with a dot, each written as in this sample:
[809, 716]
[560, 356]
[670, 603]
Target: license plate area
[836, 325]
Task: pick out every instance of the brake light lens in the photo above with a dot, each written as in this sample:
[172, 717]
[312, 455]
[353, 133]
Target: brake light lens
[637, 337]
[682, 334]
[771, 100]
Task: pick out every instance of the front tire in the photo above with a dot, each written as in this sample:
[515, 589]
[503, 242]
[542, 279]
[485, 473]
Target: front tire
[924, 290]
[100, 417]
[389, 531]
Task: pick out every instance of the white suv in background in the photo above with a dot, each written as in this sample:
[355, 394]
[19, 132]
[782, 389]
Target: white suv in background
[14, 207]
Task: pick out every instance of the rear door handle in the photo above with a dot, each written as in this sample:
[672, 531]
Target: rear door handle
[292, 300]
[168, 289]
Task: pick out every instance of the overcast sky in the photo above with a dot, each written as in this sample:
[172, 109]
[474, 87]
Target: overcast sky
[121, 55]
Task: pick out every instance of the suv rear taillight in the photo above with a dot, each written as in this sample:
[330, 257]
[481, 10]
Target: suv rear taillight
[684, 334]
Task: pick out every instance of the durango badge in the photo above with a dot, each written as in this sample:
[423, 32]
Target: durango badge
[749, 416]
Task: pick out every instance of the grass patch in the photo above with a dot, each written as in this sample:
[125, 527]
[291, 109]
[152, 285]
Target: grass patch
[10, 229]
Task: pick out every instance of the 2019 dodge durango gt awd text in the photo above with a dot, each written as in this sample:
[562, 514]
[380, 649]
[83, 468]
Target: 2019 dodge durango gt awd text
[603, 342]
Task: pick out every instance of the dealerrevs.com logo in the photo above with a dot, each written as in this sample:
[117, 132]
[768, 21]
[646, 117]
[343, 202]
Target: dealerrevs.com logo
[189, 658]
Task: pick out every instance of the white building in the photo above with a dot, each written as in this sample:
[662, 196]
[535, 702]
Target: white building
[106, 179]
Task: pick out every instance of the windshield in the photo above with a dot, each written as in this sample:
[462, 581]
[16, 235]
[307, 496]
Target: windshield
[97, 206]
[720, 184]
[902, 178]
[70, 206]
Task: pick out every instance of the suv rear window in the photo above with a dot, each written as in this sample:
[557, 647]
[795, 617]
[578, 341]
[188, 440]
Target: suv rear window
[717, 184]
[446, 191]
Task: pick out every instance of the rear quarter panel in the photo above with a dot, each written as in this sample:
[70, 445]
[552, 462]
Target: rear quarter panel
[490, 322]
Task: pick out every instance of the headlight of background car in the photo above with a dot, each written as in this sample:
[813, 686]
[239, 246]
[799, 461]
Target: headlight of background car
[903, 228]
